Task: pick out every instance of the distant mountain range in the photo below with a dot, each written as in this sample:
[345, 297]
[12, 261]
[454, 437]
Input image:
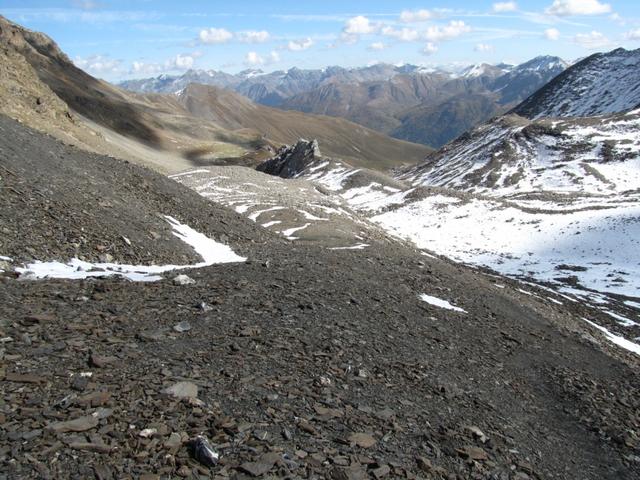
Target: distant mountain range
[409, 102]
[42, 87]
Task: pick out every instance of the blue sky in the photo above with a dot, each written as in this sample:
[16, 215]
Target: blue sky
[117, 39]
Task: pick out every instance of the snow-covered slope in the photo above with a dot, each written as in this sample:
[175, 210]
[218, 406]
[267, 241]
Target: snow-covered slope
[600, 84]
[518, 82]
[512, 155]
[551, 202]
[555, 201]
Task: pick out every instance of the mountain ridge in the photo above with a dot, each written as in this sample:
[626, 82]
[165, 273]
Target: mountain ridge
[382, 96]
[602, 83]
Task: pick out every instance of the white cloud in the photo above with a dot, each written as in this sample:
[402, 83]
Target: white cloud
[253, 36]
[274, 57]
[592, 41]
[142, 68]
[298, 45]
[633, 35]
[403, 34]
[178, 63]
[454, 29]
[501, 7]
[483, 47]
[377, 46]
[578, 7]
[181, 62]
[359, 25]
[552, 34]
[98, 64]
[430, 49]
[616, 17]
[253, 59]
[409, 16]
[215, 35]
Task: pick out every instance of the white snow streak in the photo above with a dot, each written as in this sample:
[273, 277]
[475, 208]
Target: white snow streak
[618, 340]
[438, 302]
[211, 252]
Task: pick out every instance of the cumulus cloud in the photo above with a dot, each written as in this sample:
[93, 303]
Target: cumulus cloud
[483, 47]
[143, 68]
[409, 16]
[633, 35]
[359, 25]
[212, 36]
[592, 40]
[502, 7]
[552, 34]
[253, 59]
[430, 49]
[403, 34]
[179, 63]
[253, 36]
[578, 7]
[98, 64]
[299, 45]
[454, 29]
[377, 46]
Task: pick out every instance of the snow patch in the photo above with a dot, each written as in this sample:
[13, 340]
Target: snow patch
[624, 321]
[618, 340]
[359, 246]
[211, 252]
[288, 233]
[190, 172]
[438, 302]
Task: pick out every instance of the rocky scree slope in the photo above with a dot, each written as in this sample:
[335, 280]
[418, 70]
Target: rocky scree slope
[302, 362]
[603, 83]
[59, 203]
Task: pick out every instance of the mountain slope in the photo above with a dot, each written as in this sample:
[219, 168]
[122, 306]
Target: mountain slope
[430, 108]
[600, 84]
[339, 137]
[512, 155]
[438, 124]
[157, 130]
[152, 130]
[547, 202]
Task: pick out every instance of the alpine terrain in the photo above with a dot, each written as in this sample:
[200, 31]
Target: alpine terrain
[428, 106]
[196, 282]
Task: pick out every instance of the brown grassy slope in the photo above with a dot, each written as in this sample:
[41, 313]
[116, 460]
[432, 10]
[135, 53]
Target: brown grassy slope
[41, 87]
[337, 137]
[157, 130]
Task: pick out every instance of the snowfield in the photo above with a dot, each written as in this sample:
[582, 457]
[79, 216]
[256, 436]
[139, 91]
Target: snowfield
[211, 252]
[597, 247]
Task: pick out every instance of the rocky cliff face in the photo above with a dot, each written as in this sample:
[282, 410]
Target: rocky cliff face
[291, 160]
